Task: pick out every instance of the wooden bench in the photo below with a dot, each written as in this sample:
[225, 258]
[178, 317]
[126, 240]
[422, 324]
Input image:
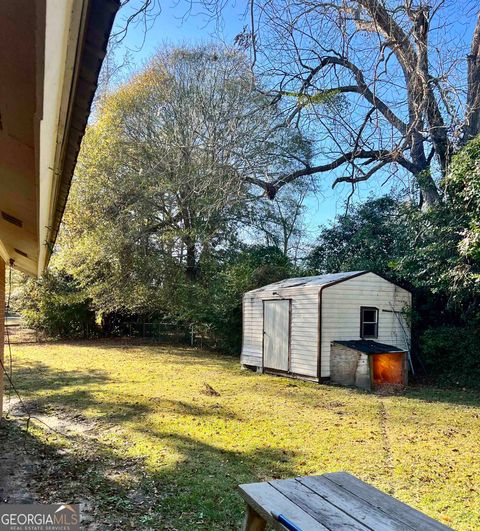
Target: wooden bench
[335, 501]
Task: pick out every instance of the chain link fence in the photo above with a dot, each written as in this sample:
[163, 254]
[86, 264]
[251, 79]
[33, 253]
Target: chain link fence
[161, 332]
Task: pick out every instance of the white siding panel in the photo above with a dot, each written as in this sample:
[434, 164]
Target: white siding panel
[304, 328]
[250, 360]
[252, 332]
[304, 338]
[341, 312]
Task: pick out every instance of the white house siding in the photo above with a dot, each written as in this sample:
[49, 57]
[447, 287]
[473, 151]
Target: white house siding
[304, 328]
[341, 312]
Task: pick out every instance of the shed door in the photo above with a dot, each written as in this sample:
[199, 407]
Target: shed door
[276, 329]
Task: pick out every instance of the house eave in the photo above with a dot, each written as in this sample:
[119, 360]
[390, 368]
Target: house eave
[51, 55]
[92, 22]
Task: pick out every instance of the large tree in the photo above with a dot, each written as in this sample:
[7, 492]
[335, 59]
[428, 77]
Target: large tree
[161, 182]
[386, 87]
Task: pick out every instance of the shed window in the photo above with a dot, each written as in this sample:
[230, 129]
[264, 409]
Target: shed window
[368, 322]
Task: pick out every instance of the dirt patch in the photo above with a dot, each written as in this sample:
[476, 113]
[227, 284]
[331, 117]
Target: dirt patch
[56, 420]
[67, 463]
[17, 467]
[23, 461]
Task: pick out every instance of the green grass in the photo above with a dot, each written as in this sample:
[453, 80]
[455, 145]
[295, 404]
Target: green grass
[155, 451]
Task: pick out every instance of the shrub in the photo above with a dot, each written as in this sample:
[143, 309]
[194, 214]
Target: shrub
[54, 306]
[452, 355]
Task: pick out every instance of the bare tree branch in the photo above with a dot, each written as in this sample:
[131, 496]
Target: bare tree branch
[271, 188]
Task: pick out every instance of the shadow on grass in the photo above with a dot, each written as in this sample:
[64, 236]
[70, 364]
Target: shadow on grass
[40, 377]
[45, 390]
[196, 491]
[427, 393]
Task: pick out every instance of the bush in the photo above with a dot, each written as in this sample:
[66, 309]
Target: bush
[213, 302]
[452, 355]
[54, 306]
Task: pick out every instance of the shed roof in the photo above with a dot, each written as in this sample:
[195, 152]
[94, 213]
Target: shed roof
[367, 346]
[318, 280]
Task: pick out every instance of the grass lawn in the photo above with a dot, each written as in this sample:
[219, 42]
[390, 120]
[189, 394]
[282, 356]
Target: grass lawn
[149, 447]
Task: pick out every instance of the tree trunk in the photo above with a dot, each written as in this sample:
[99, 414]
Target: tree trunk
[472, 123]
[428, 189]
[191, 270]
[421, 171]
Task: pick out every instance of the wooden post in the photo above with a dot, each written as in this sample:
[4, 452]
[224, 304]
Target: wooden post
[2, 332]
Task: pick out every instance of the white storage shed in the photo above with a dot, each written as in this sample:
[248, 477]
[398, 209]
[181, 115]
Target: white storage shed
[289, 326]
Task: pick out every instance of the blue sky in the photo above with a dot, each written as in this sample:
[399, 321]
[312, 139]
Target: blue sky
[171, 27]
[175, 26]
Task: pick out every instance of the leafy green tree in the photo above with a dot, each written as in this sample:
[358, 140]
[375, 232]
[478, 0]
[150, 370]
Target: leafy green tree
[55, 306]
[443, 252]
[463, 187]
[163, 178]
[370, 236]
[432, 259]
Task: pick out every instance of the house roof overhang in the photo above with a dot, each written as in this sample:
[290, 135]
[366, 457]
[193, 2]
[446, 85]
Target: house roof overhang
[50, 59]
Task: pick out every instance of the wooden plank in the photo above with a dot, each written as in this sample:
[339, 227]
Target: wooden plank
[316, 506]
[377, 498]
[264, 500]
[370, 516]
[253, 521]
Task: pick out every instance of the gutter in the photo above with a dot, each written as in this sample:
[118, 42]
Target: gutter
[86, 28]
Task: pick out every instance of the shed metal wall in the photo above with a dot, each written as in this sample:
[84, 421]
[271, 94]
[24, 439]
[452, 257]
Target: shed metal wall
[341, 312]
[304, 328]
